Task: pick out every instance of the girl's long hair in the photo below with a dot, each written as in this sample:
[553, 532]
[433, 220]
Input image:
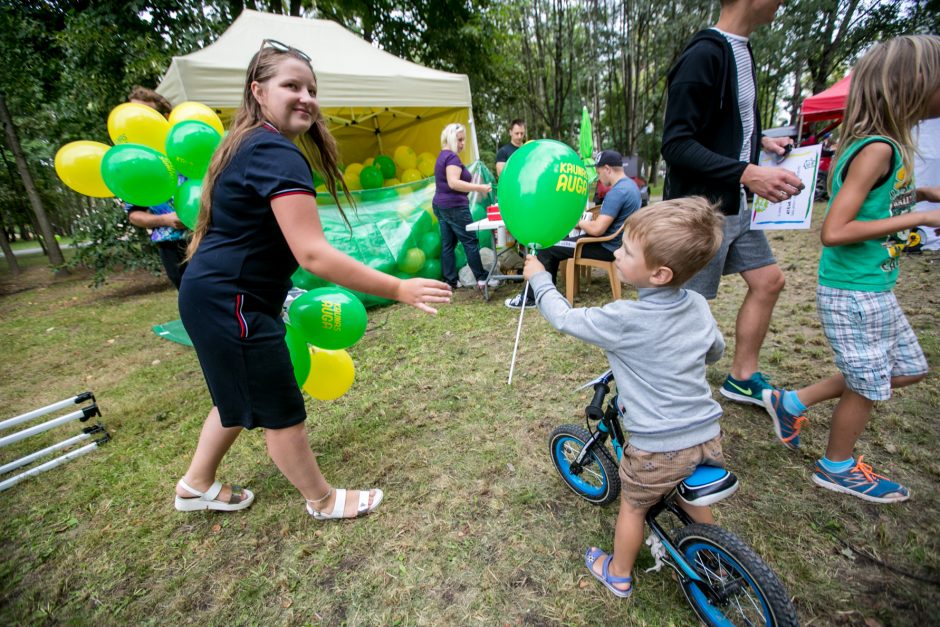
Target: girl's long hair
[890, 93]
[318, 141]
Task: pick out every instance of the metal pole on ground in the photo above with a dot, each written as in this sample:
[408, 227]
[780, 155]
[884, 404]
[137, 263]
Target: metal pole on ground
[48, 409]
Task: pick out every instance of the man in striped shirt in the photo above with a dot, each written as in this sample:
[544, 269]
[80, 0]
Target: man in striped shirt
[711, 143]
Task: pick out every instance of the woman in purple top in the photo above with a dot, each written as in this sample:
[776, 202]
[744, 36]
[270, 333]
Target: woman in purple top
[452, 206]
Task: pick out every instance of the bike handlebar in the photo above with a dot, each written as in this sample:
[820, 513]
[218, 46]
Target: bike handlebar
[595, 411]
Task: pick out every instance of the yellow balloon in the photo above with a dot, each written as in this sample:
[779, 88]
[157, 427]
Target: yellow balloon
[352, 171]
[132, 123]
[426, 167]
[427, 156]
[78, 164]
[405, 158]
[331, 374]
[353, 184]
[368, 162]
[392, 182]
[196, 111]
[411, 175]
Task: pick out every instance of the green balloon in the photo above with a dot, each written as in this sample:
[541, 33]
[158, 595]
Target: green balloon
[186, 202]
[371, 178]
[430, 243]
[329, 317]
[423, 224]
[138, 174]
[542, 192]
[411, 260]
[190, 145]
[478, 212]
[431, 269]
[299, 354]
[306, 280]
[387, 266]
[369, 300]
[460, 255]
[386, 165]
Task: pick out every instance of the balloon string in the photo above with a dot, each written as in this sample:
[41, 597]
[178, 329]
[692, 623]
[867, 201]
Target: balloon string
[525, 297]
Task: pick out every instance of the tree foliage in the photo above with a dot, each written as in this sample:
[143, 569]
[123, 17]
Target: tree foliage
[67, 63]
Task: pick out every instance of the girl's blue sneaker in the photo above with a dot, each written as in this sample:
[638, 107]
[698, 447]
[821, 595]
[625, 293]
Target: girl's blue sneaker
[786, 425]
[863, 482]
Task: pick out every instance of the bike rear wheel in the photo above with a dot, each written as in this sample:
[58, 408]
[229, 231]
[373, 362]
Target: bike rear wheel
[598, 481]
[750, 591]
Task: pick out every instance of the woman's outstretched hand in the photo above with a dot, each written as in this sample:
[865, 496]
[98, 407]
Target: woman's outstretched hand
[419, 292]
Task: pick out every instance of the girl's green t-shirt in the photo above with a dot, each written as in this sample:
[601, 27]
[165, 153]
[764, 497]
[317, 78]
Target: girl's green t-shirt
[872, 265]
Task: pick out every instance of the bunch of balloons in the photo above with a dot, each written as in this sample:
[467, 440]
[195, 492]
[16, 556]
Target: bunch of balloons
[323, 323]
[148, 155]
[404, 166]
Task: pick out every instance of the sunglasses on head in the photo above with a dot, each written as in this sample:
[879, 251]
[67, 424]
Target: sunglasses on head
[282, 47]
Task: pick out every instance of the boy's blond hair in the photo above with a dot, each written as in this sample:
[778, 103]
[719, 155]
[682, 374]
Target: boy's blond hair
[682, 234]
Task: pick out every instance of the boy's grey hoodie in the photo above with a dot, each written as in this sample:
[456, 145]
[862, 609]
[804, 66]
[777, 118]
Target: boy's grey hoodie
[657, 347]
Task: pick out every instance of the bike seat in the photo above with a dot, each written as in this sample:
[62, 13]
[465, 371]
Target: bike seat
[707, 485]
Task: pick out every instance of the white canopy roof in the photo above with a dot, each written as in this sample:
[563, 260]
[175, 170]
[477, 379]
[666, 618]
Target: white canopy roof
[350, 71]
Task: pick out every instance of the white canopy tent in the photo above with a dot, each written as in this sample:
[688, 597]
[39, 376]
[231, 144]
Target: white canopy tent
[372, 100]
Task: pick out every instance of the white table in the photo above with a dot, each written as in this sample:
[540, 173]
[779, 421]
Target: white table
[500, 243]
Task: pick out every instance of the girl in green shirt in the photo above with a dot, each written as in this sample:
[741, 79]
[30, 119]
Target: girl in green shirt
[867, 225]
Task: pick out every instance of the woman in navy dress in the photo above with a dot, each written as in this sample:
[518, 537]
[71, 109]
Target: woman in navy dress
[257, 222]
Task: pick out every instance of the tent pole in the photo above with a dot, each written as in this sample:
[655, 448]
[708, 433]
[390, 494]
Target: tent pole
[474, 147]
[58, 461]
[28, 459]
[378, 135]
[48, 409]
[82, 414]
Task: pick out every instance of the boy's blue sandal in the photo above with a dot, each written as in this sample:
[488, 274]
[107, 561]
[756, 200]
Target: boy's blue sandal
[750, 390]
[786, 425]
[592, 555]
[863, 482]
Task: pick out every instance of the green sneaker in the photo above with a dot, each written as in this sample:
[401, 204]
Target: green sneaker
[747, 391]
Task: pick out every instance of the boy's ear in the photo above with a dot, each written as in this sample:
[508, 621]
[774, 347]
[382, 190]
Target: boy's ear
[661, 276]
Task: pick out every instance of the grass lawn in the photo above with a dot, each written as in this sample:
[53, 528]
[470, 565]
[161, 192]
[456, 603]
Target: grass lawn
[476, 527]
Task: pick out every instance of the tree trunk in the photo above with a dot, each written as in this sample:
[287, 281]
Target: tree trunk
[52, 246]
[8, 252]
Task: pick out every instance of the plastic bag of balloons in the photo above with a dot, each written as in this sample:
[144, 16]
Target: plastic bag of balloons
[391, 229]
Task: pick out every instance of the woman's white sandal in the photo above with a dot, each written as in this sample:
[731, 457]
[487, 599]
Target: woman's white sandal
[339, 505]
[207, 500]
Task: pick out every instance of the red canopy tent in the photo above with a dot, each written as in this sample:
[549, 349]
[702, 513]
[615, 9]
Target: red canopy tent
[828, 104]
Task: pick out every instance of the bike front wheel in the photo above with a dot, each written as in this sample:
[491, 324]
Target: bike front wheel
[597, 481]
[746, 591]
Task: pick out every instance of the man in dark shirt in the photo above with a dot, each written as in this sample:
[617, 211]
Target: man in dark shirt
[711, 142]
[516, 136]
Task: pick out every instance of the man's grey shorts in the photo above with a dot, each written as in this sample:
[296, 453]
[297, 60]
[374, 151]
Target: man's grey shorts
[741, 250]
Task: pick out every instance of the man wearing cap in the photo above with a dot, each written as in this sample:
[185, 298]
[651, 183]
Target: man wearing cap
[621, 200]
